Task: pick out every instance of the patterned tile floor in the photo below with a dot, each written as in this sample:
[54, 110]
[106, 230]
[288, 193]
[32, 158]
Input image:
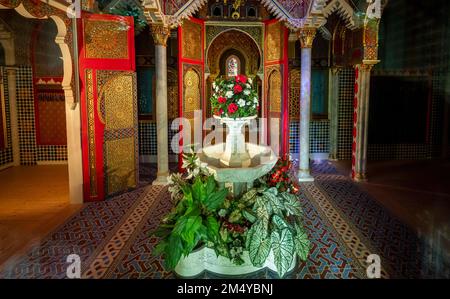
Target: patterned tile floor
[344, 225]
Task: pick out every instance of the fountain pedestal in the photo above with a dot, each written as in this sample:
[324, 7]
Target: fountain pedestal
[236, 153]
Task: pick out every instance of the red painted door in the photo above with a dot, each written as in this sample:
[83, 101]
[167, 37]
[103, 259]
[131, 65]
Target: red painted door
[108, 105]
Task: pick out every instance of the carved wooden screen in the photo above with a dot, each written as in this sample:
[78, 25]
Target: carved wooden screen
[191, 70]
[109, 105]
[276, 85]
[294, 94]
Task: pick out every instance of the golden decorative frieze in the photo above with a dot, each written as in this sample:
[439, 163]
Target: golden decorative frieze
[275, 91]
[91, 132]
[306, 36]
[160, 34]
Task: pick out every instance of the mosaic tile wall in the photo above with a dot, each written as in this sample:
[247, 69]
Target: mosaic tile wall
[319, 136]
[428, 150]
[30, 153]
[148, 140]
[389, 151]
[345, 113]
[6, 155]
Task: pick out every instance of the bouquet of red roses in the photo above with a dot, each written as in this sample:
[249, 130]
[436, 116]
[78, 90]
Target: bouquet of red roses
[234, 97]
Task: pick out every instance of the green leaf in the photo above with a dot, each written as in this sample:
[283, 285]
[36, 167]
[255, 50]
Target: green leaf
[210, 185]
[215, 199]
[249, 197]
[212, 226]
[279, 222]
[174, 250]
[283, 250]
[302, 243]
[292, 204]
[198, 190]
[271, 196]
[235, 216]
[262, 213]
[259, 249]
[191, 225]
[249, 216]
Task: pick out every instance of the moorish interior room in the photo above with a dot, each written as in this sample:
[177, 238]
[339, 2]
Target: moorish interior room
[224, 138]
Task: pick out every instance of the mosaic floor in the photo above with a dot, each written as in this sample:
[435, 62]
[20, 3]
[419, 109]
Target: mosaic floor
[344, 225]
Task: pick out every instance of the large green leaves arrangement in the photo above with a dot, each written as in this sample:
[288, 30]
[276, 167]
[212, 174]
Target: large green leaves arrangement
[276, 219]
[192, 221]
[264, 219]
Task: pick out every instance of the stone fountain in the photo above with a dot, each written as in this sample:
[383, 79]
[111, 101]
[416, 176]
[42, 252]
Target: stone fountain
[238, 164]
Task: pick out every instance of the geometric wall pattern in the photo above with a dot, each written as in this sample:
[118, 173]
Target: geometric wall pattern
[30, 152]
[319, 137]
[6, 155]
[345, 113]
[147, 138]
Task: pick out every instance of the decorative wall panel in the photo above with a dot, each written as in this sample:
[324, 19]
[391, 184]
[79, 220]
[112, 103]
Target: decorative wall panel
[192, 40]
[275, 91]
[274, 42]
[117, 109]
[121, 170]
[50, 116]
[192, 90]
[6, 155]
[294, 94]
[105, 39]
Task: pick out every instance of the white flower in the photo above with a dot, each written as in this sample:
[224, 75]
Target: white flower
[248, 85]
[246, 92]
[216, 88]
[230, 85]
[250, 80]
[229, 94]
[241, 103]
[214, 85]
[255, 100]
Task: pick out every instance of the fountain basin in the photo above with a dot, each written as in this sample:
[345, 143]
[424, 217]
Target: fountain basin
[261, 160]
[205, 259]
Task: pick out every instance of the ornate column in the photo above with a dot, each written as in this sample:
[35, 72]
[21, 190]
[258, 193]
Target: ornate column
[361, 99]
[360, 120]
[333, 110]
[306, 36]
[11, 76]
[160, 34]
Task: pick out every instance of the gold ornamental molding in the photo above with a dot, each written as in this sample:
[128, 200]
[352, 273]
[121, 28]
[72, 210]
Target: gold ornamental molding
[306, 36]
[160, 34]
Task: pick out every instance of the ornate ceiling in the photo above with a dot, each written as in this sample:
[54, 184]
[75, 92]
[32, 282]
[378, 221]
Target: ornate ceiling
[296, 13]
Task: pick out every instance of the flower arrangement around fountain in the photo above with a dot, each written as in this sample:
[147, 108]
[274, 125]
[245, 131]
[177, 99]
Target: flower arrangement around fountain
[264, 223]
[234, 97]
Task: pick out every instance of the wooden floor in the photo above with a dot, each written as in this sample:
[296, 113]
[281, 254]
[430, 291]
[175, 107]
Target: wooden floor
[33, 201]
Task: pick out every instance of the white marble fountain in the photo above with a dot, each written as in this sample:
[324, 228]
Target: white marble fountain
[240, 164]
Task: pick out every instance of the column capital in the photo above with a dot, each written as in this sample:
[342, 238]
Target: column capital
[160, 34]
[306, 36]
[11, 70]
[335, 70]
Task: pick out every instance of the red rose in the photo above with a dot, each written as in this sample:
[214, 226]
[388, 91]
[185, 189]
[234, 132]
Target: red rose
[237, 88]
[222, 100]
[232, 108]
[241, 78]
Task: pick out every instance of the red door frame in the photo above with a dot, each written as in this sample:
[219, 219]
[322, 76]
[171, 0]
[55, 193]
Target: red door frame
[284, 65]
[98, 64]
[181, 61]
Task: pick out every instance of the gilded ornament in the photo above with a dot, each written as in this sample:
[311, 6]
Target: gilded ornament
[160, 34]
[306, 36]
